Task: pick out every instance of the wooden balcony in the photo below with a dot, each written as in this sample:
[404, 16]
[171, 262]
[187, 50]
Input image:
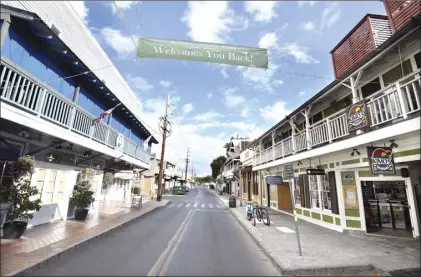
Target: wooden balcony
[396, 101]
[24, 92]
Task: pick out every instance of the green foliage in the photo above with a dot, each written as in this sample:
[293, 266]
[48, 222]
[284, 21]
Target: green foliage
[206, 179]
[108, 179]
[82, 196]
[87, 174]
[216, 165]
[135, 190]
[18, 190]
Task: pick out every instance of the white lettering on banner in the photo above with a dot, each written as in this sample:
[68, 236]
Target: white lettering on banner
[210, 54]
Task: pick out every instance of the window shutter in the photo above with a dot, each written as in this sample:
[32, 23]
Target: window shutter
[306, 191]
[302, 194]
[333, 192]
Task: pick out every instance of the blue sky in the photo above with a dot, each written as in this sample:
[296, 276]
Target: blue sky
[211, 102]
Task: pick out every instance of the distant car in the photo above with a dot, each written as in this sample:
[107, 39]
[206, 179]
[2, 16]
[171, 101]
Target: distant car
[212, 187]
[179, 190]
[187, 189]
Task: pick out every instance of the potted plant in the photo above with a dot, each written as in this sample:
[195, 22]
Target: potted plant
[82, 198]
[88, 173]
[18, 192]
[108, 179]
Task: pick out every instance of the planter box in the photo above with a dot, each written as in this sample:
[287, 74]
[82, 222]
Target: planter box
[4, 208]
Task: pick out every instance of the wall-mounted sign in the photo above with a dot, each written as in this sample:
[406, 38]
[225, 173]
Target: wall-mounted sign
[288, 171]
[357, 116]
[381, 160]
[315, 171]
[274, 180]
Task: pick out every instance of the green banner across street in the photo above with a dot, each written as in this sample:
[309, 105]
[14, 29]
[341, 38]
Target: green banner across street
[202, 51]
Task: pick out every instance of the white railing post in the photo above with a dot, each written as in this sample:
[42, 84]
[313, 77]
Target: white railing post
[91, 130]
[283, 150]
[107, 136]
[72, 117]
[260, 152]
[329, 130]
[273, 145]
[293, 140]
[402, 101]
[41, 102]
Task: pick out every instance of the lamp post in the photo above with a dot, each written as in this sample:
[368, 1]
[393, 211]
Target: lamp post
[241, 187]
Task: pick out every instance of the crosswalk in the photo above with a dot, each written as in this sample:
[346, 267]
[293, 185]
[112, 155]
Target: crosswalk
[196, 206]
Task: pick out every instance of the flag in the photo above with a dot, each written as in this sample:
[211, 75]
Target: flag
[107, 112]
[145, 143]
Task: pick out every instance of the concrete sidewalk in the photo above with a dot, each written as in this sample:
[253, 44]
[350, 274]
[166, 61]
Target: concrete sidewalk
[48, 242]
[327, 252]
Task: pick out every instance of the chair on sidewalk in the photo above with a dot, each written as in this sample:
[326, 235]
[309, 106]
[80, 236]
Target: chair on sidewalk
[136, 201]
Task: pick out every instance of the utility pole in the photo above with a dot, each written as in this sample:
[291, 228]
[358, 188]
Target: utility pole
[187, 164]
[165, 123]
[192, 171]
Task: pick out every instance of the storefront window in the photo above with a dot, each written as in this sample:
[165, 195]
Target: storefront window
[325, 193]
[314, 192]
[60, 187]
[40, 182]
[47, 196]
[297, 191]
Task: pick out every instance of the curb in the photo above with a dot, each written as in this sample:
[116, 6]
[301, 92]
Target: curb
[332, 271]
[57, 256]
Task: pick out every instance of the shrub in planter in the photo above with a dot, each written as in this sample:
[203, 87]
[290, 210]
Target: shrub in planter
[108, 179]
[18, 192]
[87, 174]
[136, 190]
[82, 198]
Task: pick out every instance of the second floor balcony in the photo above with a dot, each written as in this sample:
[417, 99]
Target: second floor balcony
[26, 93]
[396, 102]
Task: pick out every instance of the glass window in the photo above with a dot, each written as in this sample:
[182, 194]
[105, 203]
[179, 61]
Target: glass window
[418, 59]
[40, 182]
[61, 184]
[325, 192]
[47, 195]
[396, 73]
[371, 87]
[317, 117]
[297, 191]
[314, 192]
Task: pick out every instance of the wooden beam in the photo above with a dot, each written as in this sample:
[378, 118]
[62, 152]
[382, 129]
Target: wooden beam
[45, 148]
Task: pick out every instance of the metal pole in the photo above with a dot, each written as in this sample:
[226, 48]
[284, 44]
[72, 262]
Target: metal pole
[241, 190]
[295, 217]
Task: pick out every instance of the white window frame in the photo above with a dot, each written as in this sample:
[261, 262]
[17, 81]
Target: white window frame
[294, 192]
[319, 193]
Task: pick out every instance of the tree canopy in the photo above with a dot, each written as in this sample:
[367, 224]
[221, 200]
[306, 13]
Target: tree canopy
[206, 179]
[216, 165]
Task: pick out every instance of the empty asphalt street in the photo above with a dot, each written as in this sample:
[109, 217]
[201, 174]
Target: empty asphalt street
[193, 235]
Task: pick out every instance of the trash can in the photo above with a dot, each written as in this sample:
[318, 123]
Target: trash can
[232, 202]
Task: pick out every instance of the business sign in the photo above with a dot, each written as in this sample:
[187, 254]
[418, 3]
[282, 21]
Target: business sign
[357, 116]
[274, 180]
[288, 171]
[381, 160]
[315, 171]
[202, 51]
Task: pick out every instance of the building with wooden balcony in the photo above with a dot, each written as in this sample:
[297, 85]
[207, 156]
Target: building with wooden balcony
[55, 81]
[355, 145]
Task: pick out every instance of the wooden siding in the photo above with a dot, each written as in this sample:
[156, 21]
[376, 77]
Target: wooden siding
[400, 12]
[354, 47]
[381, 30]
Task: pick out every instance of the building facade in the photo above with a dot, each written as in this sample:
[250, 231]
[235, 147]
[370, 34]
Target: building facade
[355, 146]
[56, 80]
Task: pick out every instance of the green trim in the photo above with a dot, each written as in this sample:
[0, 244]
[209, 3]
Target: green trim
[299, 211]
[325, 166]
[354, 161]
[352, 213]
[353, 224]
[315, 215]
[407, 153]
[365, 160]
[302, 170]
[331, 165]
[345, 182]
[365, 174]
[306, 213]
[296, 170]
[338, 221]
[328, 219]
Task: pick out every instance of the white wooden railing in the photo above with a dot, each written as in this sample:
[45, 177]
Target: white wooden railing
[398, 100]
[26, 93]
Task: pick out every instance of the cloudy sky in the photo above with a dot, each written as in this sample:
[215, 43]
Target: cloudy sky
[210, 102]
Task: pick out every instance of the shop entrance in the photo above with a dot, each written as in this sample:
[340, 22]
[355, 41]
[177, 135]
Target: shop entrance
[386, 208]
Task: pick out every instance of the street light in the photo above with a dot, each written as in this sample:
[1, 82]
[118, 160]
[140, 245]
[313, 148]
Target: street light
[241, 187]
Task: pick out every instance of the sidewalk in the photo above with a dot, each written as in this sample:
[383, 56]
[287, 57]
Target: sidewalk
[327, 252]
[48, 242]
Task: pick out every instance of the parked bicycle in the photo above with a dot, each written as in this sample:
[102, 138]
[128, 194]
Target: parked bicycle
[259, 212]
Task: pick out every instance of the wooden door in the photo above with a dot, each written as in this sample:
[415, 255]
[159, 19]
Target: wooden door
[284, 197]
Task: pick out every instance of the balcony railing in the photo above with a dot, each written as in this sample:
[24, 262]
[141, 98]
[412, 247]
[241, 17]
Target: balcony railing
[24, 92]
[395, 101]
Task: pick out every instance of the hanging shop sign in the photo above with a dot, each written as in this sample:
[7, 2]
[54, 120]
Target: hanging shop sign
[315, 171]
[381, 160]
[357, 116]
[203, 52]
[274, 180]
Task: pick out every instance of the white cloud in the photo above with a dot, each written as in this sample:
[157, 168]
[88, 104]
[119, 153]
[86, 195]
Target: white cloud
[302, 93]
[224, 73]
[278, 82]
[221, 135]
[245, 112]
[268, 40]
[139, 83]
[308, 26]
[209, 95]
[123, 5]
[81, 10]
[165, 84]
[187, 108]
[206, 116]
[262, 11]
[300, 53]
[330, 14]
[120, 43]
[259, 79]
[232, 99]
[211, 21]
[306, 3]
[275, 112]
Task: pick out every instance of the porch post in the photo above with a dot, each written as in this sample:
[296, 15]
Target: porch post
[293, 136]
[306, 114]
[355, 97]
[5, 27]
[273, 145]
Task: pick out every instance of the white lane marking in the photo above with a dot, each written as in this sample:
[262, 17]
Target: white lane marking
[285, 230]
[180, 205]
[170, 205]
[195, 205]
[211, 206]
[161, 265]
[207, 210]
[188, 205]
[203, 206]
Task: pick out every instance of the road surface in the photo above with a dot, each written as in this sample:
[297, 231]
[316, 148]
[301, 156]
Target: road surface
[194, 235]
